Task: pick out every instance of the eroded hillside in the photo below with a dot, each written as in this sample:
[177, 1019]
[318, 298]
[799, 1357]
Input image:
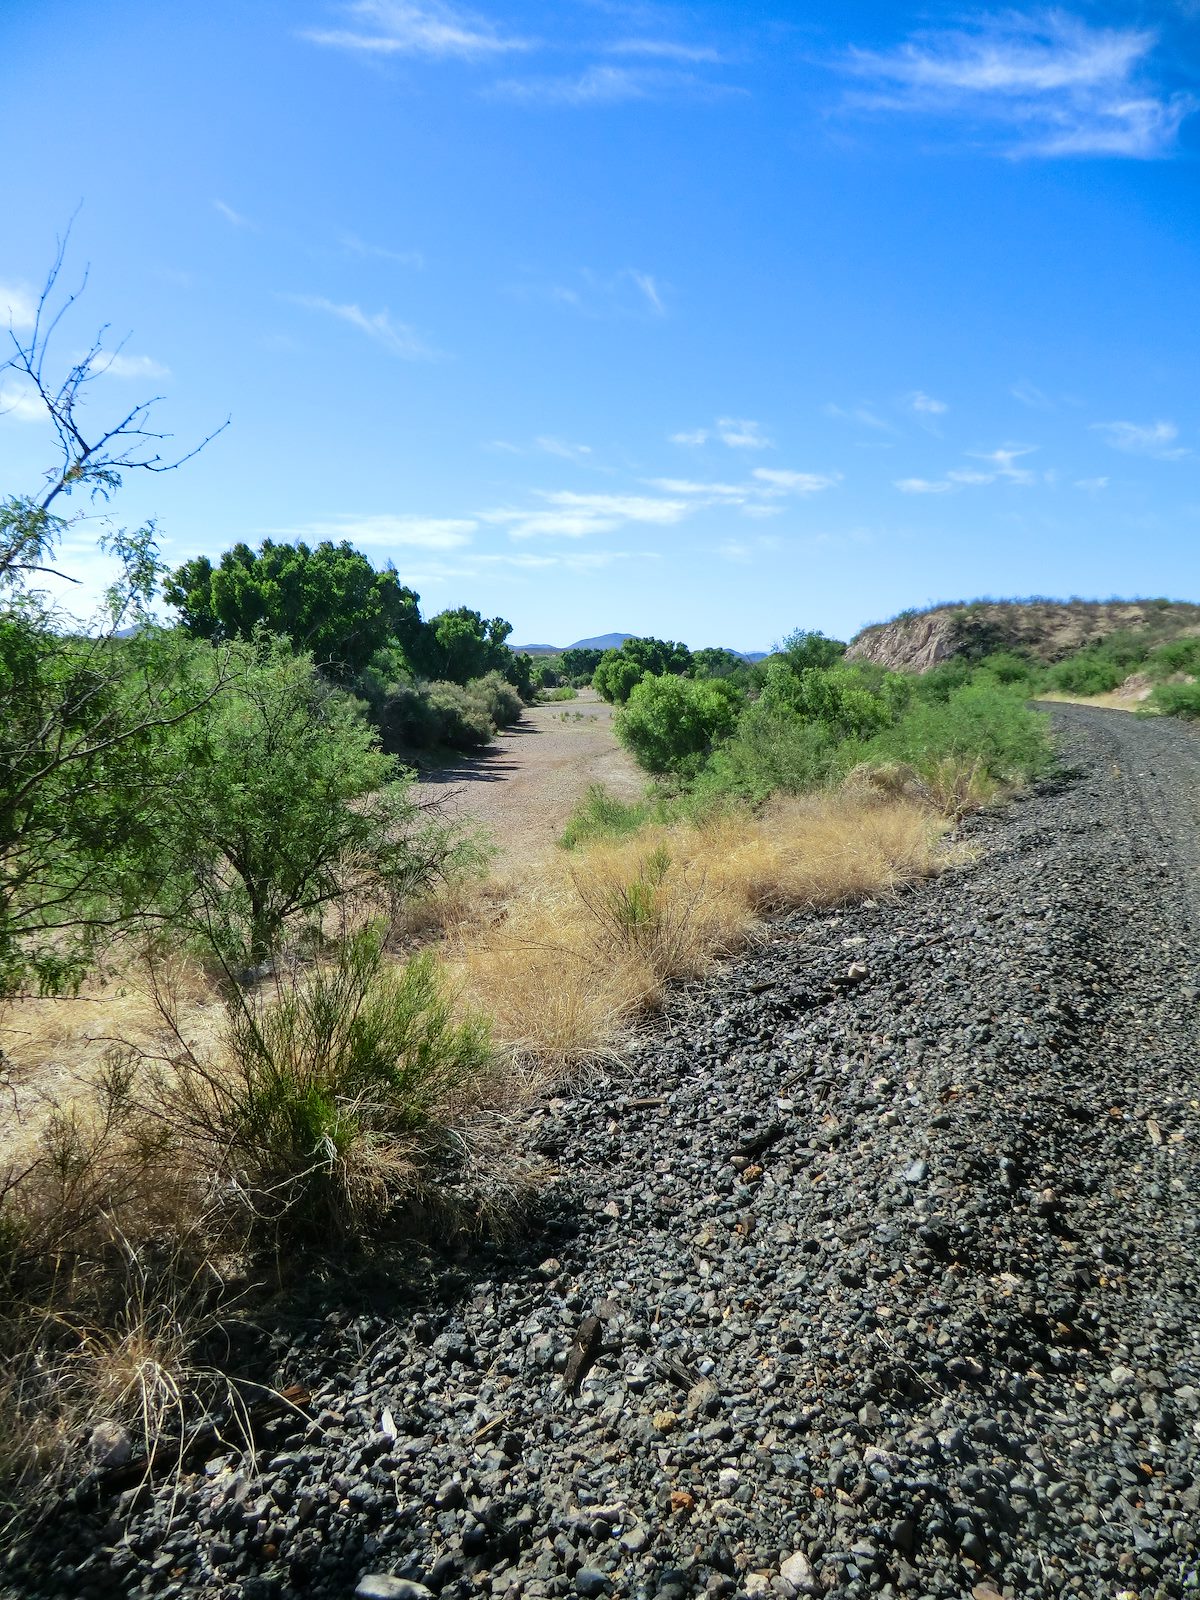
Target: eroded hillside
[1047, 630]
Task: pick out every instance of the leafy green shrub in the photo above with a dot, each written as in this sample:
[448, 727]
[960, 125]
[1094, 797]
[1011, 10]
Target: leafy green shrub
[329, 1090]
[844, 701]
[600, 815]
[976, 722]
[1180, 655]
[432, 716]
[1176, 700]
[564, 691]
[1100, 667]
[498, 698]
[670, 724]
[768, 751]
[276, 803]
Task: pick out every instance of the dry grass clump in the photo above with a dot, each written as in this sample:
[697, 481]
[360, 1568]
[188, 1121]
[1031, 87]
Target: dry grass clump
[595, 941]
[954, 787]
[341, 1103]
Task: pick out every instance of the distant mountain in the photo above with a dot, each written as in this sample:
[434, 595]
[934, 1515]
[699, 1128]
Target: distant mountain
[612, 641]
[604, 641]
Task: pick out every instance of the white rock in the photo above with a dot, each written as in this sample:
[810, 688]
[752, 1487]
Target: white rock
[110, 1445]
[797, 1569]
[383, 1586]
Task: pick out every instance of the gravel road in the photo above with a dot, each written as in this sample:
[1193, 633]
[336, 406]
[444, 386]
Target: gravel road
[875, 1274]
[526, 784]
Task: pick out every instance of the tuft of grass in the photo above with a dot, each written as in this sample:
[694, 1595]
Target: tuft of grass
[600, 815]
[333, 1092]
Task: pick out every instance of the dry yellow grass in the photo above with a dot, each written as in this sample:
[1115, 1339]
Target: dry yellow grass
[593, 941]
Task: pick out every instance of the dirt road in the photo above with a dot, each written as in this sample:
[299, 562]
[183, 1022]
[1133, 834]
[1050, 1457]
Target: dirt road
[525, 786]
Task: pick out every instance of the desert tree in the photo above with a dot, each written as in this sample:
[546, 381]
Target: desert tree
[83, 711]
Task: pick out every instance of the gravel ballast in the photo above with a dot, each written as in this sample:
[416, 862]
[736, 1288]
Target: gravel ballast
[873, 1273]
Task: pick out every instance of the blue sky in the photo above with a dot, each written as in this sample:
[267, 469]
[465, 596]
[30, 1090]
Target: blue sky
[707, 321]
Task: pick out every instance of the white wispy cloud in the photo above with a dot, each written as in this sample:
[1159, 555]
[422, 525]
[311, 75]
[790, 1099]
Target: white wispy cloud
[1157, 439]
[119, 365]
[21, 404]
[1051, 84]
[924, 404]
[397, 337]
[700, 489]
[605, 83]
[1092, 485]
[780, 482]
[649, 290]
[665, 50]
[18, 308]
[561, 448]
[387, 531]
[861, 414]
[1002, 464]
[738, 433]
[627, 292]
[742, 433]
[354, 246]
[1030, 395]
[232, 216]
[565, 514]
[923, 486]
[395, 27]
[758, 496]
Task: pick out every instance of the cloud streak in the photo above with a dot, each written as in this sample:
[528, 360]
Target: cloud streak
[738, 433]
[437, 31]
[18, 308]
[1045, 84]
[1156, 439]
[118, 365]
[387, 531]
[568, 515]
[398, 338]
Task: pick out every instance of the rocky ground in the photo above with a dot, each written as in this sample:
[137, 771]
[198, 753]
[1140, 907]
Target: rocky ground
[874, 1274]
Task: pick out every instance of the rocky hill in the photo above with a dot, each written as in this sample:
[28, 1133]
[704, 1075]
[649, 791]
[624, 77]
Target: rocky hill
[1048, 630]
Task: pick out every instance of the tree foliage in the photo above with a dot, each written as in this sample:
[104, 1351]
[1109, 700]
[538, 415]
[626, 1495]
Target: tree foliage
[619, 671]
[83, 713]
[281, 801]
[329, 601]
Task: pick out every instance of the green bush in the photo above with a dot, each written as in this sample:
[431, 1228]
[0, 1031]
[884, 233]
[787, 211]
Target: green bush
[844, 700]
[976, 722]
[1181, 655]
[564, 691]
[330, 1088]
[498, 698]
[433, 716]
[1100, 667]
[1176, 700]
[671, 724]
[274, 801]
[768, 751]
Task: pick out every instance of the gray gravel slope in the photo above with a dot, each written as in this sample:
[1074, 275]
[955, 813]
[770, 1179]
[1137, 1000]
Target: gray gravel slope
[895, 1272]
